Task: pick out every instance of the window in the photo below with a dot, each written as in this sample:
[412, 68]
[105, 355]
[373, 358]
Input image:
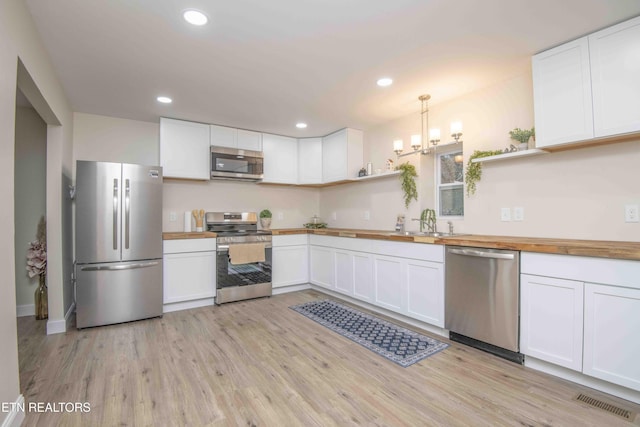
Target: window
[450, 184]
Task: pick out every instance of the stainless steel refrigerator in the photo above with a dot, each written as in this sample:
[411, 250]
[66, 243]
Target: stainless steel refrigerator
[118, 242]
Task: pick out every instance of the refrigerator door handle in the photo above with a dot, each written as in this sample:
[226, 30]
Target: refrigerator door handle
[119, 266]
[115, 213]
[127, 208]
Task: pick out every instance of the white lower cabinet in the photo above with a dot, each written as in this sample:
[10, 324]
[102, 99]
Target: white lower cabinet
[382, 273]
[425, 291]
[322, 266]
[290, 260]
[551, 320]
[611, 326]
[362, 276]
[189, 272]
[388, 282]
[592, 328]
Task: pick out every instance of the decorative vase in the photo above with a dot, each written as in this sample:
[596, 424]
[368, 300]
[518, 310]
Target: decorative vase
[523, 146]
[265, 223]
[42, 299]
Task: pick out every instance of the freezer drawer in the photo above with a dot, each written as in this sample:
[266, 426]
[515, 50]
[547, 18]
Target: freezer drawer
[118, 292]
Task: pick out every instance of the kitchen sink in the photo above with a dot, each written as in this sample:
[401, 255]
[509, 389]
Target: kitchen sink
[426, 233]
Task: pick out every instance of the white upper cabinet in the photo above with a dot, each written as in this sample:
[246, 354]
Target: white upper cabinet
[588, 88]
[342, 154]
[310, 161]
[615, 71]
[280, 159]
[223, 136]
[184, 149]
[249, 140]
[562, 94]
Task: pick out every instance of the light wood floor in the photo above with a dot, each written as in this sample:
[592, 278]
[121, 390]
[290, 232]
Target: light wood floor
[258, 363]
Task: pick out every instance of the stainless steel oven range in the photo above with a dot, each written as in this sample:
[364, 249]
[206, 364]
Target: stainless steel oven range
[243, 260]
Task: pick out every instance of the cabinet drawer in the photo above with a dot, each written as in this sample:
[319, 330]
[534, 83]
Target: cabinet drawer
[188, 245]
[290, 240]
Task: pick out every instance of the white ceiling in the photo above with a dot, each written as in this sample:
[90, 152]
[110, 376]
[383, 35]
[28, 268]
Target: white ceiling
[265, 65]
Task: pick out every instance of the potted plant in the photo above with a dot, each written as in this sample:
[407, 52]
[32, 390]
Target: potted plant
[474, 170]
[265, 218]
[408, 182]
[522, 136]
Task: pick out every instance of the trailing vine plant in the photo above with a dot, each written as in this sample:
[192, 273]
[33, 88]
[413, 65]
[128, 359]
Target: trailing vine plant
[474, 170]
[408, 177]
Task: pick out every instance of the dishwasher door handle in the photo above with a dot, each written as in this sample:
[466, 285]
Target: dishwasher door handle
[481, 254]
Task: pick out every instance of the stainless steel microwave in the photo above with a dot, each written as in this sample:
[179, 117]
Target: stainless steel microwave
[231, 163]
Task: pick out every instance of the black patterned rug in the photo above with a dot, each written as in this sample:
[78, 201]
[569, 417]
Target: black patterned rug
[400, 345]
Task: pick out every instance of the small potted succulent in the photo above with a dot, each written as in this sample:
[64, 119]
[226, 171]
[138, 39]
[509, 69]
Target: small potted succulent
[265, 218]
[522, 136]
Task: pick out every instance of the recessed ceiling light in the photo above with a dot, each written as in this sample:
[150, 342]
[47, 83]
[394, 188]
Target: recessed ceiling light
[164, 99]
[195, 17]
[301, 125]
[385, 81]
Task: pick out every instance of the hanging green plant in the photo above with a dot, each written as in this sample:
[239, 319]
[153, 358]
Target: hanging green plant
[474, 170]
[408, 182]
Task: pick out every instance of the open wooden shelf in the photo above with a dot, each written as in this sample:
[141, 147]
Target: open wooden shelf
[376, 176]
[512, 155]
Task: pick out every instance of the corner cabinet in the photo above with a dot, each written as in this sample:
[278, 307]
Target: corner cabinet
[588, 88]
[189, 275]
[309, 161]
[184, 149]
[342, 154]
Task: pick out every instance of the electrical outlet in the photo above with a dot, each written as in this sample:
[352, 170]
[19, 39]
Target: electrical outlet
[367, 215]
[280, 215]
[173, 216]
[631, 213]
[518, 213]
[505, 214]
[334, 216]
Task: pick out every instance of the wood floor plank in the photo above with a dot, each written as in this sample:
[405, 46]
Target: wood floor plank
[259, 363]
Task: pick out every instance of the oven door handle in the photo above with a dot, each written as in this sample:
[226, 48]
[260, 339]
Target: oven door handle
[225, 248]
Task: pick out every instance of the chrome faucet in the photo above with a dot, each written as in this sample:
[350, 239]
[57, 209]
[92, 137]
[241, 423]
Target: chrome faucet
[427, 219]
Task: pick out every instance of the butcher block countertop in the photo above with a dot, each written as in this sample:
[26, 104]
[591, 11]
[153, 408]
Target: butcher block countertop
[191, 235]
[594, 248]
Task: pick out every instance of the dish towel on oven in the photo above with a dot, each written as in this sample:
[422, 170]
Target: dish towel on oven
[246, 253]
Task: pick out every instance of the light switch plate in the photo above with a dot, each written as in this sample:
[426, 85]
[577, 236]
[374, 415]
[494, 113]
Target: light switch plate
[631, 213]
[280, 215]
[518, 213]
[367, 215]
[173, 216]
[505, 214]
[334, 216]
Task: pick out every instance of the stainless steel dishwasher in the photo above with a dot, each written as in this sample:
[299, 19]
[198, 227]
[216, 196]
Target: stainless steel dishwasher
[482, 299]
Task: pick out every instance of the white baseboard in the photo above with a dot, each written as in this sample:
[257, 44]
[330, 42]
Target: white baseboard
[26, 310]
[185, 305]
[60, 326]
[16, 416]
[580, 378]
[291, 288]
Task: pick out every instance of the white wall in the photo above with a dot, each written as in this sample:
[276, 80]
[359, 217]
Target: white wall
[109, 139]
[577, 194]
[19, 39]
[103, 138]
[30, 195]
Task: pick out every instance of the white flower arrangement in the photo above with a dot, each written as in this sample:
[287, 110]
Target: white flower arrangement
[36, 258]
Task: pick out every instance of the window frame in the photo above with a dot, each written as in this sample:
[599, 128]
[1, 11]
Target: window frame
[439, 185]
